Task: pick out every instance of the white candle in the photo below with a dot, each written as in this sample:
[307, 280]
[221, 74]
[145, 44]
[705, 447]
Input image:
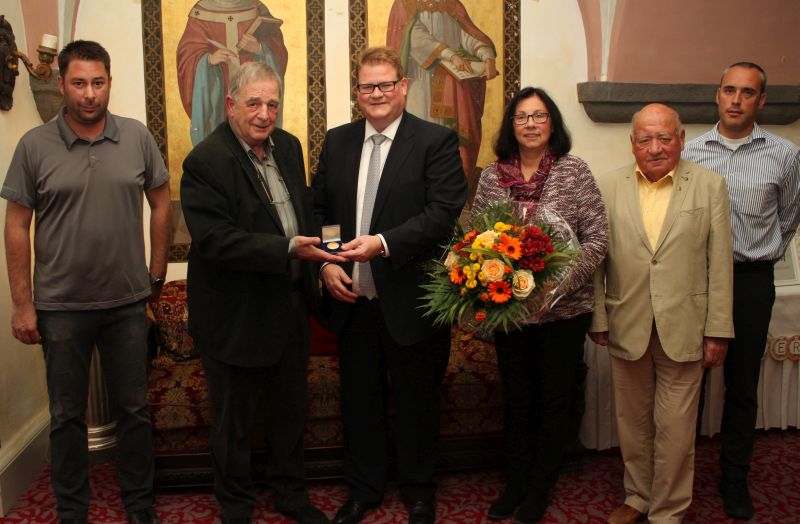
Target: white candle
[50, 41]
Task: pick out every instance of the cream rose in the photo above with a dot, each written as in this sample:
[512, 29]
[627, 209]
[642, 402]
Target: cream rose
[485, 239]
[522, 284]
[494, 269]
[451, 259]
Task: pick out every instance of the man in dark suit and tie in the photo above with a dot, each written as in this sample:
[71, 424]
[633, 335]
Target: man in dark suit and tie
[395, 185]
[250, 288]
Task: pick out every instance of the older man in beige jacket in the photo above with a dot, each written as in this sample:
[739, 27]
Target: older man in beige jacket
[664, 309]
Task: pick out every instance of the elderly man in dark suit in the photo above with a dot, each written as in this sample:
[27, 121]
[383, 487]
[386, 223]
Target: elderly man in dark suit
[395, 185]
[251, 288]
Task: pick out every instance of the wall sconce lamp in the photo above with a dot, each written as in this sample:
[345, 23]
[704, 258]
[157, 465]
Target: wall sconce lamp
[10, 56]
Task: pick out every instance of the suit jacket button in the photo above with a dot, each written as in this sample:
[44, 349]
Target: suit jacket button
[654, 262]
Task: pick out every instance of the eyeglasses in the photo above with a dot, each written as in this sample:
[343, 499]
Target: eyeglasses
[643, 142]
[385, 87]
[522, 118]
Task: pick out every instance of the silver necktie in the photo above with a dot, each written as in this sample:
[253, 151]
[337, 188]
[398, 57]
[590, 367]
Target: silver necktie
[365, 282]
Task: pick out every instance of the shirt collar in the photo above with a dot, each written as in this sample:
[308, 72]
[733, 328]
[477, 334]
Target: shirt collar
[669, 176]
[110, 131]
[756, 134]
[389, 132]
[269, 145]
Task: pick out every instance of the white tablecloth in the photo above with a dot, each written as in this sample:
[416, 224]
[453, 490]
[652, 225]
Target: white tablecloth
[778, 390]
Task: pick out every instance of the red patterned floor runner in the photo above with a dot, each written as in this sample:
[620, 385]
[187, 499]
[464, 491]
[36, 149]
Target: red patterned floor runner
[586, 493]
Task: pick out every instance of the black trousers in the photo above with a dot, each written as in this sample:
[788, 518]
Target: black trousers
[753, 297]
[371, 364]
[68, 340]
[537, 369]
[236, 393]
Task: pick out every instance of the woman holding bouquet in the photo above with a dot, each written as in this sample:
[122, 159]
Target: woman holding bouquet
[537, 363]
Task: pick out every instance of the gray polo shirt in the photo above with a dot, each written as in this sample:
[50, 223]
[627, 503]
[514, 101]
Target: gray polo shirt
[87, 198]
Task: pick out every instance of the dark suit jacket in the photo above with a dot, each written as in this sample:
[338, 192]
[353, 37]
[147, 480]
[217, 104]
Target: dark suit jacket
[421, 193]
[239, 280]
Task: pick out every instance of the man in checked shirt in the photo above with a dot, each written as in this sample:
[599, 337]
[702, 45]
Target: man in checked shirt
[762, 171]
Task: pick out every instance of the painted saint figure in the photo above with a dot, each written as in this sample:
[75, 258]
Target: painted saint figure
[447, 60]
[221, 35]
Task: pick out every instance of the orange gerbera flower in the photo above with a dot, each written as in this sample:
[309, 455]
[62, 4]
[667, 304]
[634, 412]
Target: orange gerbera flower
[480, 316]
[510, 246]
[499, 291]
[456, 276]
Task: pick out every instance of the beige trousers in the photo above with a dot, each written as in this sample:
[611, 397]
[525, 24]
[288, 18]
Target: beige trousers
[656, 401]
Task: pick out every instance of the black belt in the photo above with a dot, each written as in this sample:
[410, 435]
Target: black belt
[758, 265]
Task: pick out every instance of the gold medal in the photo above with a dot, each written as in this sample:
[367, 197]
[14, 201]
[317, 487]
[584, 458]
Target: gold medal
[332, 245]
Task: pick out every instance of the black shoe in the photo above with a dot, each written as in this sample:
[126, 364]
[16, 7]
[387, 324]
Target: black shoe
[736, 500]
[421, 512]
[504, 507]
[531, 510]
[305, 514]
[144, 516]
[352, 512]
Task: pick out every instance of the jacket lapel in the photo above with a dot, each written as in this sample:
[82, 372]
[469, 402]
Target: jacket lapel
[251, 174]
[634, 207]
[293, 182]
[352, 163]
[400, 148]
[679, 189]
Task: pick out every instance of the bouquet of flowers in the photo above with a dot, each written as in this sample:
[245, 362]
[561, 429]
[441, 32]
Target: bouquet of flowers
[506, 271]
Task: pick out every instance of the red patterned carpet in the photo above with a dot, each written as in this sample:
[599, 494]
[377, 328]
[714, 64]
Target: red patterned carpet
[586, 493]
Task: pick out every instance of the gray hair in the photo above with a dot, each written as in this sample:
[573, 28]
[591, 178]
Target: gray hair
[679, 124]
[252, 72]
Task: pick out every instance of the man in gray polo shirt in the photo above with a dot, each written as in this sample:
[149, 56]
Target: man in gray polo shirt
[83, 175]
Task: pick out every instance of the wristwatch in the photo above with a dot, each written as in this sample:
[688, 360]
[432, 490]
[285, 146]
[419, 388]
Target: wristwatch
[156, 281]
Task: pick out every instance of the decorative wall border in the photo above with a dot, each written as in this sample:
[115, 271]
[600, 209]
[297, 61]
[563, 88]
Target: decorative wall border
[315, 56]
[511, 49]
[153, 42]
[358, 42]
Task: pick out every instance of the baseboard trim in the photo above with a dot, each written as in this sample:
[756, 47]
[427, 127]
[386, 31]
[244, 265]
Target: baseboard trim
[25, 457]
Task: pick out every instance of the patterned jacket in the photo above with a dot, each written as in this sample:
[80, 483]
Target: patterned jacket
[570, 191]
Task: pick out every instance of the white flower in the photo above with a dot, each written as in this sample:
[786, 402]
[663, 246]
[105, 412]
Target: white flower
[522, 284]
[451, 259]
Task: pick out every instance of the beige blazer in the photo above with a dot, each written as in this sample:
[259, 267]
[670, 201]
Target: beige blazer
[685, 284]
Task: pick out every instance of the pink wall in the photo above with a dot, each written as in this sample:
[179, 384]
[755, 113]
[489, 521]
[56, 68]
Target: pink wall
[692, 41]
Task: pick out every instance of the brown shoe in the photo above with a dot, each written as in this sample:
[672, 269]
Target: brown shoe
[625, 515]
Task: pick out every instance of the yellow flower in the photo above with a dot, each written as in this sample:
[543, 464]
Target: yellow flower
[494, 269]
[476, 267]
[481, 276]
[473, 256]
[502, 227]
[471, 283]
